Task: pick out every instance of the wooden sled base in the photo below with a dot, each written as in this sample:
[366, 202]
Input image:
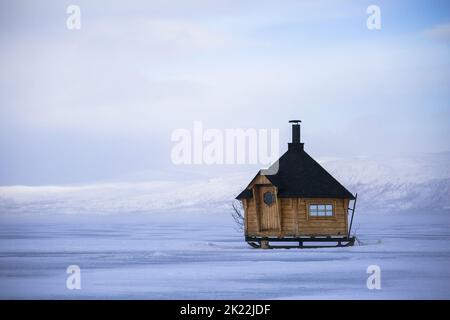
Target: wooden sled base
[300, 242]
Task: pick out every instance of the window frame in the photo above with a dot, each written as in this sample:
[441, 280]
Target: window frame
[321, 208]
[272, 198]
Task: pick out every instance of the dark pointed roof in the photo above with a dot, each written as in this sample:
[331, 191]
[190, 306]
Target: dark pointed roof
[299, 175]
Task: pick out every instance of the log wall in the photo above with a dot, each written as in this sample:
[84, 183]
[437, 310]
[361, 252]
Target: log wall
[295, 219]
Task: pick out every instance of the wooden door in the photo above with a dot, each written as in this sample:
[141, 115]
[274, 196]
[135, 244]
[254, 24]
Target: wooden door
[268, 208]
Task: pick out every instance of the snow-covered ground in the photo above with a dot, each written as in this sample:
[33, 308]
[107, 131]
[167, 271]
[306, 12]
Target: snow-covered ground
[198, 256]
[165, 239]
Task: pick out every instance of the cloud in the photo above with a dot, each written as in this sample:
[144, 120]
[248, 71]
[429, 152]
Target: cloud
[138, 72]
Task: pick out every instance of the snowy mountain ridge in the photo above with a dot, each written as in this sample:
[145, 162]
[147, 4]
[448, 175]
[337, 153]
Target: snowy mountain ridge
[383, 184]
[421, 181]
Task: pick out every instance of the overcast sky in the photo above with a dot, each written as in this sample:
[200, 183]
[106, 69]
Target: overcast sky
[101, 102]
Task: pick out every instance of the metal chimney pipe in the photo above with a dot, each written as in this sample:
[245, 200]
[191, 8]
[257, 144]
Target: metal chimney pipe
[295, 131]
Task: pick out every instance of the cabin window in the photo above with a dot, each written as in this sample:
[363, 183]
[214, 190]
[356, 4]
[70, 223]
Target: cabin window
[321, 210]
[268, 198]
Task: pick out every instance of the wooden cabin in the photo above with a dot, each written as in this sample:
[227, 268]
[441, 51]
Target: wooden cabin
[297, 201]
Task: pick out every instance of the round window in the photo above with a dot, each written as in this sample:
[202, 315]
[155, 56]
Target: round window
[268, 198]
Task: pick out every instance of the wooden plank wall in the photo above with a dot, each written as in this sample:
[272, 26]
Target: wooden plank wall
[295, 220]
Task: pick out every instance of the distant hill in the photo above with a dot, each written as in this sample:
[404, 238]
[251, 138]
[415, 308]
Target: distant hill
[384, 184]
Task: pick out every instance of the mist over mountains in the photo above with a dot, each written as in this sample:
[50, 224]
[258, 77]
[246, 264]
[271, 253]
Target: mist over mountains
[384, 184]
